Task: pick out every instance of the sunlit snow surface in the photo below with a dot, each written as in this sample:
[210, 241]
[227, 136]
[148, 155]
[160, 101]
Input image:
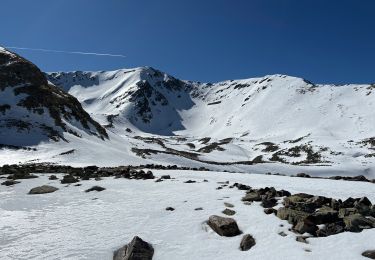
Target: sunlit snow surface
[72, 224]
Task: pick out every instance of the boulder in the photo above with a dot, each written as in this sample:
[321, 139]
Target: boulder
[169, 209]
[306, 225]
[95, 188]
[331, 229]
[369, 254]
[268, 202]
[229, 205]
[291, 215]
[357, 222]
[325, 215]
[269, 211]
[363, 205]
[43, 189]
[52, 177]
[224, 226]
[247, 242]
[252, 196]
[69, 179]
[9, 182]
[137, 249]
[229, 212]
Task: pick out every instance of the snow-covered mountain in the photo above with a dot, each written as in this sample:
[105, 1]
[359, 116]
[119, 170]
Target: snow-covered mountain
[273, 123]
[33, 110]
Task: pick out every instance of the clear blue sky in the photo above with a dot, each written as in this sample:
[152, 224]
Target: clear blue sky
[325, 41]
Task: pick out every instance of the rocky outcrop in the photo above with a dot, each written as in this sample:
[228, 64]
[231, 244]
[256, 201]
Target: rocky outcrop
[137, 249]
[36, 107]
[224, 226]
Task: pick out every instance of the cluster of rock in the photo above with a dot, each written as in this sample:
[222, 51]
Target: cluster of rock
[321, 216]
[267, 196]
[344, 178]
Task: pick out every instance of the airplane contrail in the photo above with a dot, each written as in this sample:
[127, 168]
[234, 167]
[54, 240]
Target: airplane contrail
[69, 52]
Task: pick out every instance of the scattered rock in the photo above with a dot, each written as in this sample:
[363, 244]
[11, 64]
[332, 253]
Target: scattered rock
[95, 188]
[43, 189]
[247, 242]
[229, 205]
[229, 212]
[200, 208]
[9, 182]
[137, 249]
[52, 177]
[224, 226]
[169, 209]
[269, 211]
[369, 254]
[303, 175]
[69, 179]
[190, 181]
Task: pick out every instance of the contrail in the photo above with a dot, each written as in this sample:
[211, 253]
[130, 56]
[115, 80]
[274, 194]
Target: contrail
[69, 52]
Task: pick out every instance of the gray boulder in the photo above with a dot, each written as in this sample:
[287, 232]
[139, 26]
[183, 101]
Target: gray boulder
[137, 249]
[43, 189]
[224, 226]
[369, 254]
[247, 242]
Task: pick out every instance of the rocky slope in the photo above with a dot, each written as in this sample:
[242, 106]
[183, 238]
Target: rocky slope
[33, 110]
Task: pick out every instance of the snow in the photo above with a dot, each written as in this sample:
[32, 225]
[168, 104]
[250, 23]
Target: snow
[72, 224]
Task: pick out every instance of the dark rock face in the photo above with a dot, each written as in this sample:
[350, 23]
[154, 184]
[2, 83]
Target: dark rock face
[224, 226]
[40, 106]
[95, 188]
[69, 179]
[137, 249]
[247, 242]
[369, 254]
[43, 189]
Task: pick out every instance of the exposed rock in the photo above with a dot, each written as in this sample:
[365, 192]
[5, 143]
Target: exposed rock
[269, 211]
[200, 208]
[21, 175]
[357, 222]
[302, 239]
[247, 242]
[252, 196]
[282, 233]
[169, 209]
[52, 177]
[224, 226]
[190, 181]
[165, 177]
[306, 225]
[268, 202]
[241, 186]
[9, 182]
[229, 205]
[229, 212]
[95, 188]
[325, 215]
[331, 229]
[369, 254]
[69, 179]
[43, 189]
[137, 249]
[303, 175]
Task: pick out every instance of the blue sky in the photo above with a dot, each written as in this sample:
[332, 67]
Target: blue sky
[323, 41]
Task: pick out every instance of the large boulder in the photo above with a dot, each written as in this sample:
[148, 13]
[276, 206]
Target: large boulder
[43, 189]
[137, 249]
[69, 179]
[247, 242]
[224, 226]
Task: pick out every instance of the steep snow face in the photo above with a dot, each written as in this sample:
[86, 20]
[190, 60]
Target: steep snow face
[33, 110]
[144, 98]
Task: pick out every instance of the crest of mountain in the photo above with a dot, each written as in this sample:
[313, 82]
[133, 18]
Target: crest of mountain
[33, 110]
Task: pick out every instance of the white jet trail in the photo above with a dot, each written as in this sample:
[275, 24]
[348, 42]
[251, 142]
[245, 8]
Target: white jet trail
[69, 52]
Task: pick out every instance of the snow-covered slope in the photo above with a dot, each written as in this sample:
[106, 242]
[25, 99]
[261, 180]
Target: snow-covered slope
[273, 119]
[33, 110]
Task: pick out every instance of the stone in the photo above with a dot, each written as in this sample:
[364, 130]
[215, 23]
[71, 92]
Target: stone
[325, 215]
[165, 177]
[69, 179]
[343, 212]
[9, 182]
[43, 189]
[137, 249]
[52, 177]
[169, 209]
[306, 225]
[302, 239]
[224, 226]
[291, 215]
[190, 181]
[282, 233]
[268, 202]
[95, 188]
[247, 242]
[252, 196]
[303, 175]
[331, 229]
[269, 211]
[229, 212]
[357, 222]
[228, 205]
[200, 208]
[369, 254]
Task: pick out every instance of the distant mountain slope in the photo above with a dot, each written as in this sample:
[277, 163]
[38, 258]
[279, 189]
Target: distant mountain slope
[33, 110]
